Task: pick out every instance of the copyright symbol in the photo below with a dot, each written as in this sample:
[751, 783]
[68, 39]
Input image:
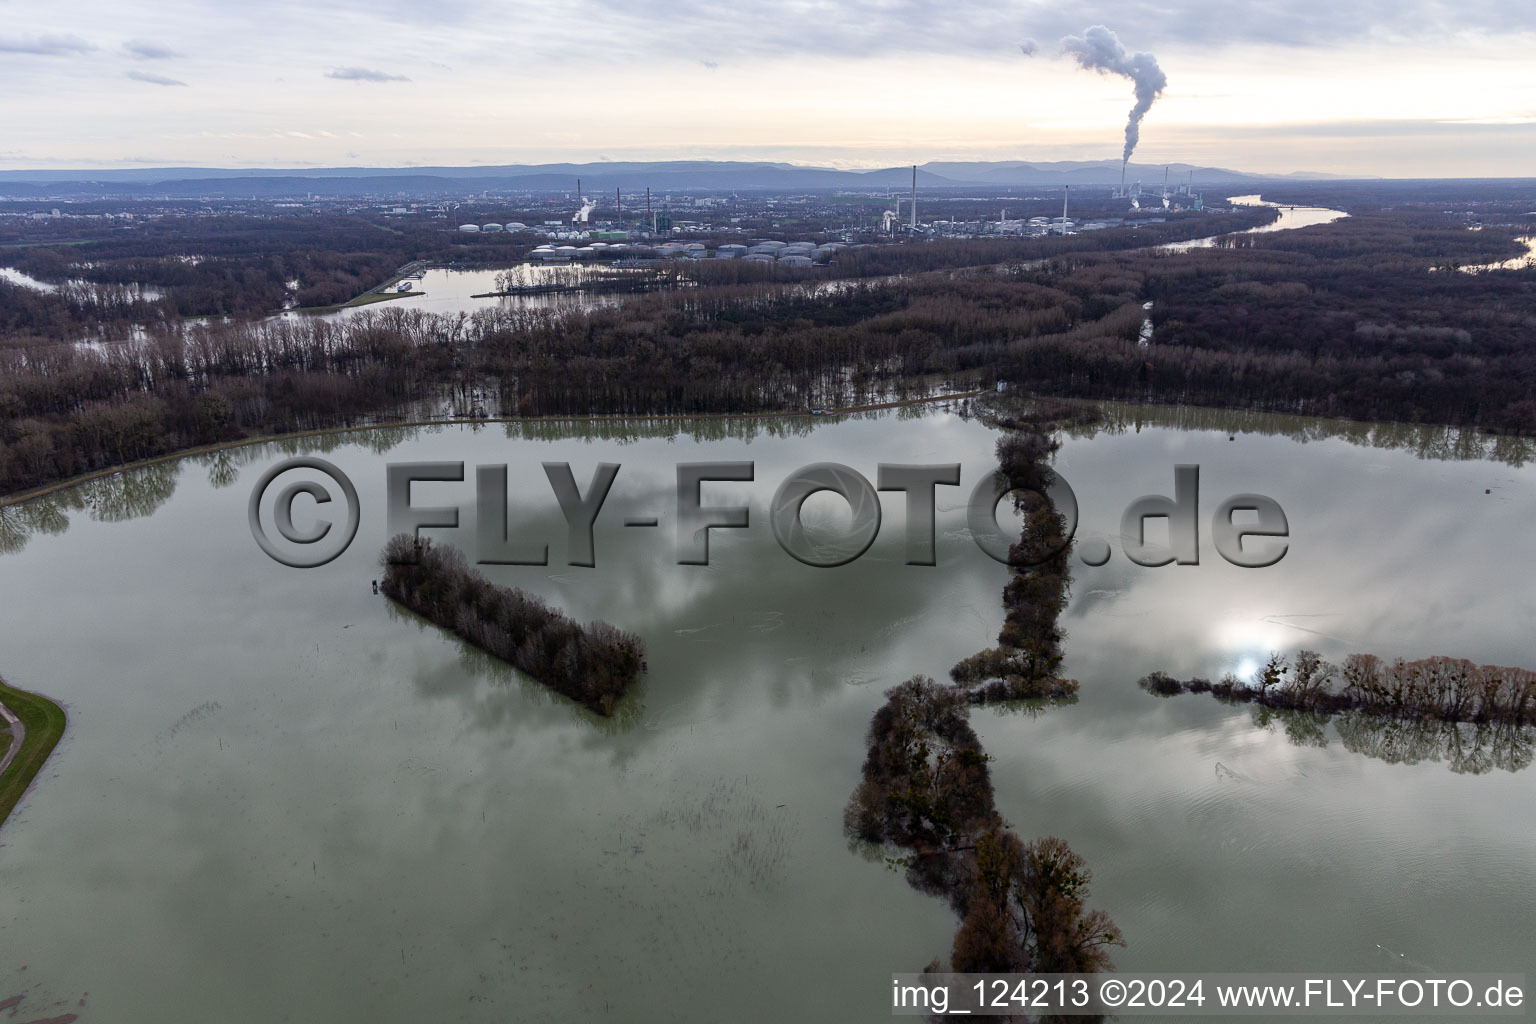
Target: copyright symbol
[1112, 992]
[282, 512]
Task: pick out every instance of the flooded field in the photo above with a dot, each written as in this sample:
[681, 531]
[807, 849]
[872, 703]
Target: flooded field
[282, 798]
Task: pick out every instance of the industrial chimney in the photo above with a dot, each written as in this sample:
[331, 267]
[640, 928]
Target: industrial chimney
[914, 197]
[1065, 192]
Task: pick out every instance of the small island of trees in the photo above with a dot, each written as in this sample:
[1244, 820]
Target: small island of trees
[593, 663]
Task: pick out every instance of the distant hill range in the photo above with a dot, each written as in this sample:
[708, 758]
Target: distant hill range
[659, 176]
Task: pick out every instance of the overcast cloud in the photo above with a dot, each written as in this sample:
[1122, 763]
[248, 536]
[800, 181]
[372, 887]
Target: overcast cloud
[45, 45]
[854, 83]
[364, 75]
[145, 76]
[144, 49]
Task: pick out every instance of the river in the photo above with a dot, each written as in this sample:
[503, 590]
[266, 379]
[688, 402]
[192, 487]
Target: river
[1289, 217]
[1525, 262]
[280, 797]
[451, 290]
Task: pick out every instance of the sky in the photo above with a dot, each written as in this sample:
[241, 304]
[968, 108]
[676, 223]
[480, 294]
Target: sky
[1410, 88]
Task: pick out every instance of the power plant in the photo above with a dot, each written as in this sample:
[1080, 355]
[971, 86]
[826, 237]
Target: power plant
[673, 216]
[582, 215]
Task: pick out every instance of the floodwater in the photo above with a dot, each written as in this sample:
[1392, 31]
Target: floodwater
[15, 276]
[135, 290]
[1524, 262]
[451, 291]
[281, 798]
[1290, 217]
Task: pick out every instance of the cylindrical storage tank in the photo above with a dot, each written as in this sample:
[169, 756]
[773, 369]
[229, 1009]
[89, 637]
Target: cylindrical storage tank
[470, 229]
[490, 227]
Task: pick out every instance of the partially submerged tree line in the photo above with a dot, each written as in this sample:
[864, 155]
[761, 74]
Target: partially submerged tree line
[926, 787]
[1436, 689]
[592, 663]
[1024, 664]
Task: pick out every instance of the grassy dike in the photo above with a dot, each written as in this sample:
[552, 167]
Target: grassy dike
[44, 723]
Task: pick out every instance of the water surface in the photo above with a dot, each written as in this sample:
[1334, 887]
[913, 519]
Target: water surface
[1290, 216]
[281, 798]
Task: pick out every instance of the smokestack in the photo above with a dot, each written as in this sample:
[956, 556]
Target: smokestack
[1066, 191]
[914, 197]
[578, 191]
[618, 198]
[1122, 174]
[648, 214]
[1099, 49]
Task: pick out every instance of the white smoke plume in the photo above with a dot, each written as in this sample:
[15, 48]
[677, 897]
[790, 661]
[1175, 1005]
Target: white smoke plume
[1099, 49]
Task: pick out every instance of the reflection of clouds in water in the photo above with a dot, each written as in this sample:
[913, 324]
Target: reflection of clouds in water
[751, 838]
[354, 758]
[767, 622]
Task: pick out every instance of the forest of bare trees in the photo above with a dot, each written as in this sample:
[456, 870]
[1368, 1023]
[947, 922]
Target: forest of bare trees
[1346, 319]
